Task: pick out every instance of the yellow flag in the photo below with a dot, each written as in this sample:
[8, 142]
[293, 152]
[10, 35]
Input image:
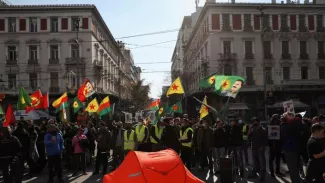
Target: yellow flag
[175, 88]
[204, 111]
[92, 106]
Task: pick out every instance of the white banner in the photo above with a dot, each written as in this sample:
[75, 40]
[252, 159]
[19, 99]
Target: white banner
[288, 106]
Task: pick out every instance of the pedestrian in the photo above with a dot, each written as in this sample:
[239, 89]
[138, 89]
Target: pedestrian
[205, 144]
[80, 144]
[155, 136]
[219, 141]
[54, 145]
[245, 145]
[103, 148]
[235, 144]
[186, 136]
[33, 153]
[117, 144]
[130, 139]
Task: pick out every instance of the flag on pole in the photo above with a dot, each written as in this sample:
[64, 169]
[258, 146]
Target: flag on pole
[228, 85]
[10, 117]
[177, 108]
[36, 101]
[104, 107]
[204, 111]
[175, 88]
[59, 101]
[76, 105]
[92, 106]
[208, 81]
[154, 105]
[24, 99]
[85, 91]
[45, 101]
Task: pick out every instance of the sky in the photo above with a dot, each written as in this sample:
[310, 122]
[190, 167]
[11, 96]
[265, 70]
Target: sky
[133, 17]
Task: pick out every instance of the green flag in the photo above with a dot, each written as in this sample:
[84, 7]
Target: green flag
[208, 81]
[24, 99]
[228, 86]
[61, 107]
[177, 108]
[76, 105]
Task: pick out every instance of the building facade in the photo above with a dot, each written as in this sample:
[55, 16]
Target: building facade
[283, 48]
[55, 47]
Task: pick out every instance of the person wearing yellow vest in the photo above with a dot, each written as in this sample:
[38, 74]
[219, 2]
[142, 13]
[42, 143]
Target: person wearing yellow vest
[245, 144]
[130, 139]
[155, 136]
[186, 135]
[142, 133]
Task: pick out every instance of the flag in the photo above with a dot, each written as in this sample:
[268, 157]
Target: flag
[160, 112]
[60, 108]
[104, 107]
[92, 106]
[10, 117]
[59, 101]
[1, 110]
[208, 81]
[64, 116]
[45, 101]
[76, 105]
[36, 101]
[204, 111]
[85, 91]
[177, 108]
[175, 88]
[24, 99]
[154, 105]
[228, 86]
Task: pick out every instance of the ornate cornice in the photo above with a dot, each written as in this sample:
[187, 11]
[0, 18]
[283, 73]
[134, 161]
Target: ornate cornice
[12, 41]
[33, 41]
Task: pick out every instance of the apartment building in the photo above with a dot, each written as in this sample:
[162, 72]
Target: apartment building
[283, 48]
[54, 47]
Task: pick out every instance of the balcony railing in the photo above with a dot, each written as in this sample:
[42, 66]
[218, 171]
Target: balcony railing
[74, 60]
[54, 61]
[54, 89]
[249, 56]
[286, 56]
[11, 62]
[304, 56]
[32, 61]
[226, 28]
[321, 56]
[268, 56]
[227, 56]
[302, 29]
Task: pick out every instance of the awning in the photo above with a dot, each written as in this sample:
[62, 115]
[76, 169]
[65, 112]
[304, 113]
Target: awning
[296, 104]
[237, 106]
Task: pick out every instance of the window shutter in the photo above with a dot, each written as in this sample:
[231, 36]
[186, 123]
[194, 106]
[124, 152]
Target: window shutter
[2, 24]
[257, 23]
[275, 22]
[22, 24]
[293, 22]
[84, 23]
[43, 24]
[236, 22]
[215, 22]
[311, 22]
[64, 23]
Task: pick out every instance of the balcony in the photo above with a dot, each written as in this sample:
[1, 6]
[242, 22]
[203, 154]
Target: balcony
[54, 61]
[98, 64]
[302, 29]
[320, 29]
[268, 56]
[226, 28]
[32, 61]
[248, 28]
[11, 62]
[74, 60]
[285, 29]
[249, 56]
[54, 89]
[304, 56]
[227, 56]
[286, 56]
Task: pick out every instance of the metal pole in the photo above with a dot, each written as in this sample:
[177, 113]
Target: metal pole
[77, 25]
[119, 86]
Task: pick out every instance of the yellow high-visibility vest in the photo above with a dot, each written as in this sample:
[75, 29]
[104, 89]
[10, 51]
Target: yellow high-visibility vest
[139, 130]
[129, 142]
[245, 137]
[184, 137]
[158, 133]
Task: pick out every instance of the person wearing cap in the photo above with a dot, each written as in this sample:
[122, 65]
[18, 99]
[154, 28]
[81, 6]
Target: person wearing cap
[155, 136]
[142, 133]
[54, 145]
[10, 153]
[259, 137]
[235, 144]
[130, 139]
[186, 136]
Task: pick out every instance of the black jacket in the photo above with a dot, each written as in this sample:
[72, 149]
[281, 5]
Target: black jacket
[10, 149]
[236, 136]
[220, 138]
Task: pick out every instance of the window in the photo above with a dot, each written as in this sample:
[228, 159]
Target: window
[75, 23]
[75, 51]
[286, 73]
[54, 24]
[54, 52]
[225, 21]
[247, 20]
[304, 72]
[268, 75]
[33, 24]
[267, 49]
[285, 50]
[249, 76]
[96, 54]
[303, 49]
[319, 19]
[227, 47]
[266, 21]
[54, 79]
[33, 80]
[12, 24]
[33, 52]
[227, 70]
[11, 80]
[248, 49]
[284, 21]
[321, 72]
[12, 54]
[302, 23]
[321, 51]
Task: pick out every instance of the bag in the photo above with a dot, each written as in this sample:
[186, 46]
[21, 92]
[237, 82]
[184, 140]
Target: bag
[83, 143]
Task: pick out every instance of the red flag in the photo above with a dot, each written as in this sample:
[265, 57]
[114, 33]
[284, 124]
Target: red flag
[45, 101]
[10, 117]
[85, 91]
[36, 101]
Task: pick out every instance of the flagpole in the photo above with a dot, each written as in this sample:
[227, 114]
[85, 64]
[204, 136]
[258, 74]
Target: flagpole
[100, 98]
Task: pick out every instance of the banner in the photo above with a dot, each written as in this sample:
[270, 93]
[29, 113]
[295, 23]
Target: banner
[288, 106]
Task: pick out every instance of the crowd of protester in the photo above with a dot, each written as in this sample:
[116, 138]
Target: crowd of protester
[201, 144]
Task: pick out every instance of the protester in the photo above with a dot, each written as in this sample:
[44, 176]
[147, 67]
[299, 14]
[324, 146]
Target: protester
[80, 144]
[103, 148]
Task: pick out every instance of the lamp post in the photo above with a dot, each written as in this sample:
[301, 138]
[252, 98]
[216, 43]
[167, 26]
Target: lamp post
[77, 27]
